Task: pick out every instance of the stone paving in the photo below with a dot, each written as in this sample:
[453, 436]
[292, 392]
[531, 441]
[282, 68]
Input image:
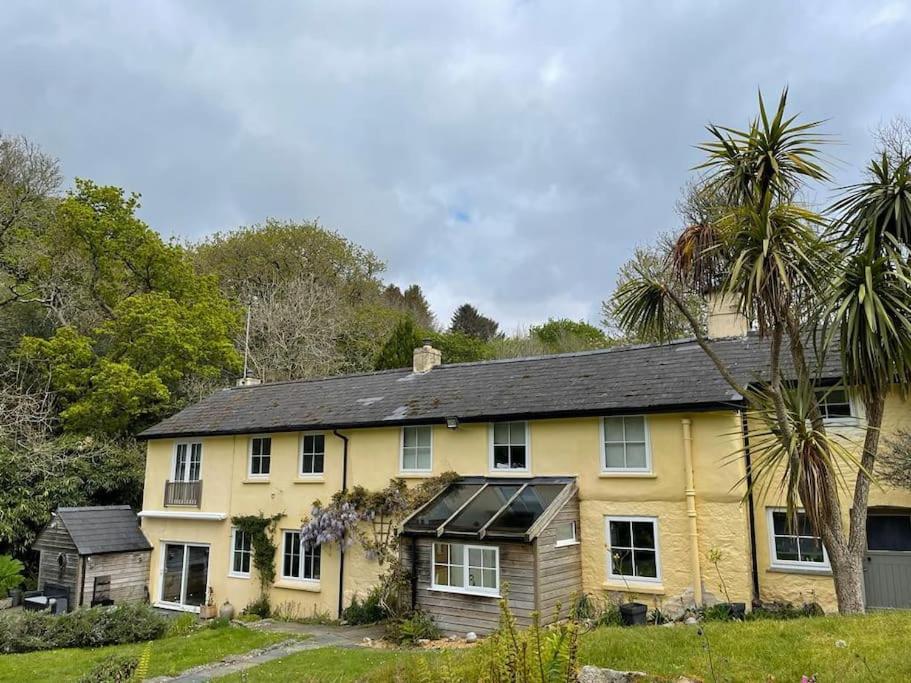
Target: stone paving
[310, 637]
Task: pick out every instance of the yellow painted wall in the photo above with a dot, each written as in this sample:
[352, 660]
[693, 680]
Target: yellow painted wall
[569, 446]
[797, 586]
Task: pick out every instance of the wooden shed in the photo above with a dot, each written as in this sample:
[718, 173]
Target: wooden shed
[94, 555]
[481, 534]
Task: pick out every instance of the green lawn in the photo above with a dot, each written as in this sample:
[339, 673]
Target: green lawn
[876, 649]
[169, 655]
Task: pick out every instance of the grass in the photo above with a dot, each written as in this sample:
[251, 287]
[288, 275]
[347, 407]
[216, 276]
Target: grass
[169, 655]
[325, 665]
[875, 649]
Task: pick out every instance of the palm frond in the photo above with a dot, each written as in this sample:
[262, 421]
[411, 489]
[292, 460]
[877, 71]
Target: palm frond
[641, 305]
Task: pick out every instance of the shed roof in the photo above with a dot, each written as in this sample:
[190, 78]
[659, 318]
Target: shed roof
[632, 379]
[507, 508]
[103, 529]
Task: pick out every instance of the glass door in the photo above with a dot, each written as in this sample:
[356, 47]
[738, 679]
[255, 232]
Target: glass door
[185, 574]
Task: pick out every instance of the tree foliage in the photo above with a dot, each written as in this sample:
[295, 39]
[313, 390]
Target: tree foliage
[564, 335]
[397, 351]
[468, 320]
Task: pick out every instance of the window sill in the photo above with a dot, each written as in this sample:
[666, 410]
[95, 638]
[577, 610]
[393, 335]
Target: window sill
[262, 480]
[177, 607]
[811, 571]
[415, 474]
[299, 585]
[620, 474]
[565, 544]
[458, 591]
[509, 473]
[320, 479]
[232, 575]
[649, 588]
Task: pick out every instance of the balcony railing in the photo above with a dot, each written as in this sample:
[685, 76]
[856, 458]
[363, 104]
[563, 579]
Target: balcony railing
[182, 493]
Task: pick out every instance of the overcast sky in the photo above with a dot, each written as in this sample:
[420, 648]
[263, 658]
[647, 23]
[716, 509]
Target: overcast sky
[506, 153]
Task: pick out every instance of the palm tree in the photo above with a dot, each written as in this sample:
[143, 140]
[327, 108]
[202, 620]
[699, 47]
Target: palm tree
[838, 279]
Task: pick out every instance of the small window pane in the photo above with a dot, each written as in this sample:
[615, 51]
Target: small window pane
[441, 575]
[517, 454]
[780, 522]
[440, 552]
[623, 562]
[409, 437]
[474, 577]
[811, 550]
[635, 455]
[889, 532]
[474, 557]
[423, 460]
[457, 554]
[457, 575]
[566, 532]
[501, 433]
[501, 456]
[643, 534]
[614, 456]
[424, 436]
[786, 548]
[635, 428]
[620, 534]
[517, 433]
[613, 429]
[409, 460]
[489, 578]
[646, 566]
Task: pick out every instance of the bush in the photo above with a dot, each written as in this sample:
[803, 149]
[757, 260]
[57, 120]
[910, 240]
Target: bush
[610, 615]
[260, 607]
[785, 610]
[128, 623]
[113, 669]
[368, 612]
[293, 611]
[408, 631]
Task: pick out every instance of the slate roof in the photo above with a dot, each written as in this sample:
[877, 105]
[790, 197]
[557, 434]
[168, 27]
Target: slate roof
[671, 376]
[97, 530]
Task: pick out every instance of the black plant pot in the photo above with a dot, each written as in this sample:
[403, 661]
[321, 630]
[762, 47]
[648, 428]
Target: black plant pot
[735, 610]
[633, 613]
[16, 595]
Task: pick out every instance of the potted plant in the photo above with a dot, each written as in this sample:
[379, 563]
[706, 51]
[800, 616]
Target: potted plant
[11, 578]
[734, 610]
[209, 610]
[632, 613]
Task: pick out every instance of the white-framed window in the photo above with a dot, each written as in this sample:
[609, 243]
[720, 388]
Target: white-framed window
[632, 548]
[625, 444]
[463, 568]
[566, 534]
[313, 454]
[299, 562]
[260, 456]
[187, 461]
[509, 446]
[417, 449]
[241, 553]
[835, 404]
[797, 545]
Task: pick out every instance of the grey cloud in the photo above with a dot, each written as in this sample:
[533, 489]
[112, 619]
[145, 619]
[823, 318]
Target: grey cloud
[511, 154]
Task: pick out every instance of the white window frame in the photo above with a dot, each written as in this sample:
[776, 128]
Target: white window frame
[562, 543]
[823, 566]
[250, 456]
[648, 446]
[465, 588]
[300, 460]
[180, 606]
[189, 444]
[501, 470]
[410, 470]
[610, 551]
[233, 552]
[285, 577]
[856, 408]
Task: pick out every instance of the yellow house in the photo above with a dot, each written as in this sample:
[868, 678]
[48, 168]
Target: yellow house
[628, 465]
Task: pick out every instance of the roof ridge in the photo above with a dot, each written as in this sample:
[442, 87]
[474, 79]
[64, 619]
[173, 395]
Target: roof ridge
[493, 361]
[94, 508]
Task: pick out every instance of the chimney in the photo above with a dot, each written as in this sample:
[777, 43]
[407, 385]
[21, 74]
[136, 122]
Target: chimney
[426, 358]
[724, 316]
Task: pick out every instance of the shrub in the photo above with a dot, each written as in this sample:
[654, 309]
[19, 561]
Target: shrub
[10, 574]
[260, 607]
[368, 612]
[583, 607]
[128, 623]
[610, 615]
[717, 612]
[409, 630]
[112, 669]
[785, 610]
[292, 611]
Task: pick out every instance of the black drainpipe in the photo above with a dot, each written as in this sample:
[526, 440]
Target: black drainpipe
[751, 506]
[414, 572]
[341, 560]
[82, 582]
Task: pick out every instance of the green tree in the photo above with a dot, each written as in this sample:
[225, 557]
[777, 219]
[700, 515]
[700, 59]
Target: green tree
[411, 302]
[398, 350]
[564, 335]
[457, 347]
[468, 320]
[841, 280]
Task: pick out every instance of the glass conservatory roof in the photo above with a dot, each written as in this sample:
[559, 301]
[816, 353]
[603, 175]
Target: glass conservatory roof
[479, 507]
